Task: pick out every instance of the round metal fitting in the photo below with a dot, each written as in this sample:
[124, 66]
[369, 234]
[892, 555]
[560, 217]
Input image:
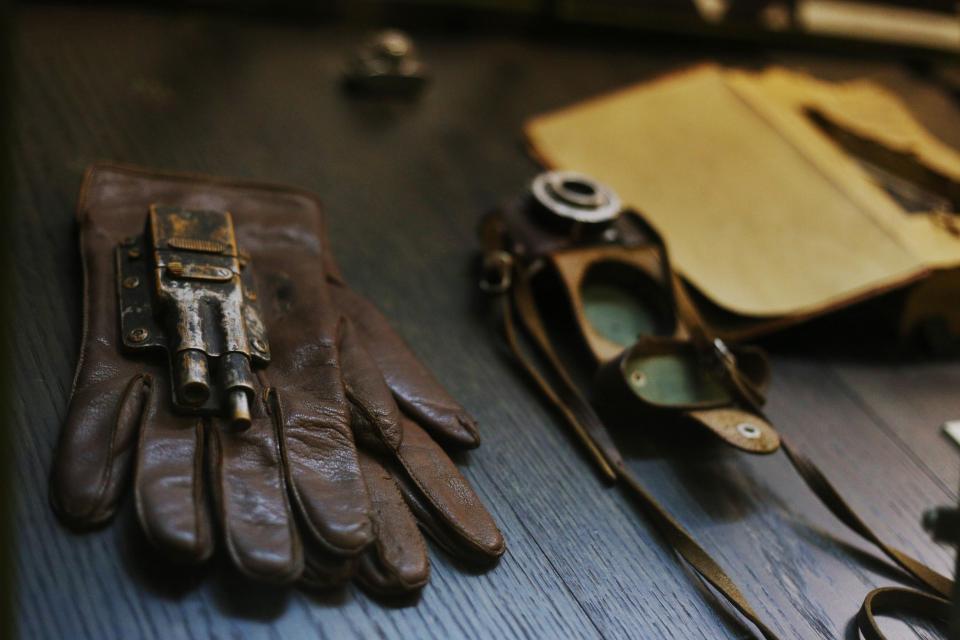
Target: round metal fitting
[638, 378]
[138, 335]
[131, 282]
[259, 345]
[575, 196]
[748, 430]
[497, 272]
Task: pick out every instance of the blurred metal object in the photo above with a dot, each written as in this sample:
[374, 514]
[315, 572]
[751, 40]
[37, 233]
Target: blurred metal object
[184, 289]
[576, 197]
[943, 524]
[952, 429]
[386, 63]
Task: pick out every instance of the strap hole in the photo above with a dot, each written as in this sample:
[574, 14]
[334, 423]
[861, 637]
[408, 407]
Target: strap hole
[747, 430]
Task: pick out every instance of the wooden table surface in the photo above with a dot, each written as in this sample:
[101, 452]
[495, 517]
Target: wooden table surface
[404, 185]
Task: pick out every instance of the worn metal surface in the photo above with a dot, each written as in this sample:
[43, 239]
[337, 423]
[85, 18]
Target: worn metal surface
[184, 291]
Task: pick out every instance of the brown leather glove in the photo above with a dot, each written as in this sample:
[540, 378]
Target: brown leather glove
[295, 477]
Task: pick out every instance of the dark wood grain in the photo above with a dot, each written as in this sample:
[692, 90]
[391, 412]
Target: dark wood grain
[404, 185]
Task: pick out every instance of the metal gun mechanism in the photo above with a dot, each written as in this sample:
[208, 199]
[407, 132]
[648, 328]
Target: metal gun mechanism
[185, 289]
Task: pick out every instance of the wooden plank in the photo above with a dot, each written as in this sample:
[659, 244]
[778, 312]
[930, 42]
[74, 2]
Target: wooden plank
[912, 402]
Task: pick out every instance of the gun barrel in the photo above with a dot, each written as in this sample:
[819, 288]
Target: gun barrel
[192, 377]
[237, 383]
[238, 409]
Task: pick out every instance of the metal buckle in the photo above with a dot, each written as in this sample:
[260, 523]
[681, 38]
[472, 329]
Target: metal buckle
[185, 289]
[497, 274]
[723, 354]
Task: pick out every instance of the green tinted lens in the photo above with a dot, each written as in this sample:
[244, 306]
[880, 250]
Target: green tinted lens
[673, 379]
[622, 304]
[617, 314]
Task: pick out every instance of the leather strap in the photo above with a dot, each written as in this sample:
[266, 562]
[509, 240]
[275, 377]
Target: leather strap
[590, 431]
[517, 300]
[576, 410]
[808, 471]
[887, 600]
[890, 600]
[829, 496]
[704, 340]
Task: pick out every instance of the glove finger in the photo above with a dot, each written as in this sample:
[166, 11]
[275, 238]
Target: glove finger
[93, 456]
[397, 563]
[168, 483]
[320, 456]
[251, 498]
[416, 390]
[96, 443]
[443, 501]
[323, 570]
[374, 417]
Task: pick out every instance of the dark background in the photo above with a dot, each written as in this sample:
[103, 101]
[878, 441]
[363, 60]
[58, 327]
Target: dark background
[405, 184]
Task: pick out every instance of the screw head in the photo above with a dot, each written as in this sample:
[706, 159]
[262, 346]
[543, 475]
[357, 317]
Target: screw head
[138, 335]
[131, 282]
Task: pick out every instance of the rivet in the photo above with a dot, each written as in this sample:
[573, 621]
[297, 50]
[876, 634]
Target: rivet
[259, 345]
[133, 254]
[639, 378]
[748, 430]
[138, 335]
[131, 282]
[610, 234]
